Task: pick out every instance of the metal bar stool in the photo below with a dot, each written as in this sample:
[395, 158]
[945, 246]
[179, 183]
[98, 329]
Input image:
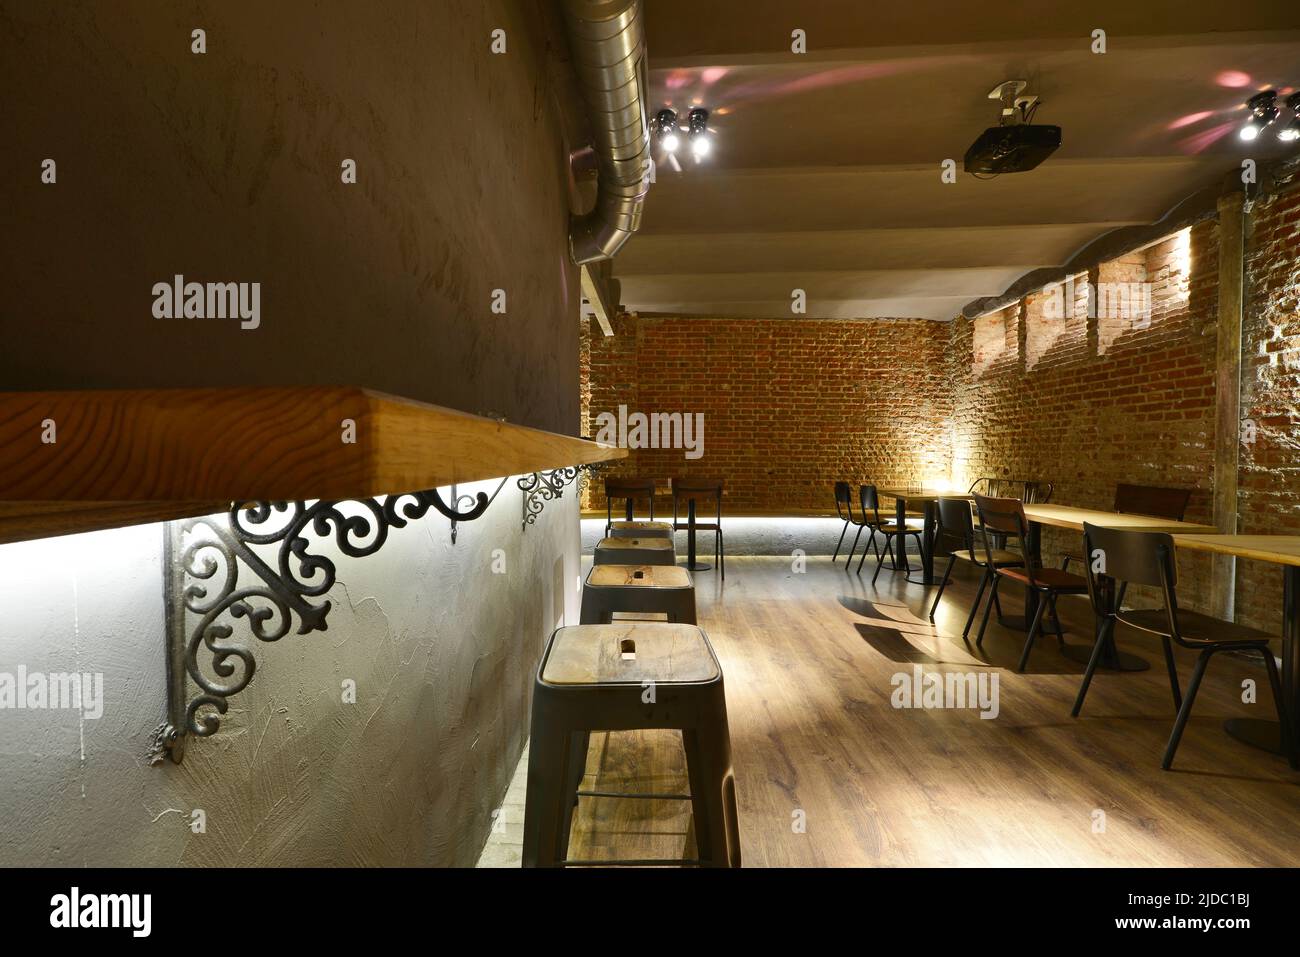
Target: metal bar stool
[628, 676]
[635, 551]
[638, 589]
[639, 530]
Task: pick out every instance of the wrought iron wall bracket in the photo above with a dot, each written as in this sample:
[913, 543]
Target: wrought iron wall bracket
[542, 487]
[203, 561]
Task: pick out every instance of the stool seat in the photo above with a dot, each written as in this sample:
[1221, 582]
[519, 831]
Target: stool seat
[635, 551]
[640, 530]
[638, 589]
[639, 576]
[629, 652]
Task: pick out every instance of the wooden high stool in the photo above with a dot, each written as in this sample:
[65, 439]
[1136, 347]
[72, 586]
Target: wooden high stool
[641, 530]
[628, 676]
[635, 551]
[638, 589]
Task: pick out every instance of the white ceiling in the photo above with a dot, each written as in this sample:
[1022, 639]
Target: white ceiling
[825, 171]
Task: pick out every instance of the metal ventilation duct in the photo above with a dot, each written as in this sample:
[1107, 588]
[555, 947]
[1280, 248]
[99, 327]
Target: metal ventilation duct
[607, 43]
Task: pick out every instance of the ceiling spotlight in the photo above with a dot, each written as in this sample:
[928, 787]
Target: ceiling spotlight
[1263, 111]
[665, 128]
[1291, 132]
[698, 123]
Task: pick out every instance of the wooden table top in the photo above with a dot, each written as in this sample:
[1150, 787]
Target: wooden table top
[1278, 549]
[1067, 516]
[640, 576]
[919, 495]
[629, 652]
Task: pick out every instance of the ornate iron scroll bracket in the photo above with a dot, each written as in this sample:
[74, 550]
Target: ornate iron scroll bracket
[542, 487]
[204, 561]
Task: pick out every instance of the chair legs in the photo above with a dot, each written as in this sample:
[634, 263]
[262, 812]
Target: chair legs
[1039, 608]
[1186, 710]
[1103, 632]
[872, 543]
[947, 573]
[974, 608]
[849, 561]
[1173, 673]
[979, 640]
[844, 531]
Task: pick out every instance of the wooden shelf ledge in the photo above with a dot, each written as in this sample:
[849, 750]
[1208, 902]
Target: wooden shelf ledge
[125, 456]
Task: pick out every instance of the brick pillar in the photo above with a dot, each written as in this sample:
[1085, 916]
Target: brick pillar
[1227, 418]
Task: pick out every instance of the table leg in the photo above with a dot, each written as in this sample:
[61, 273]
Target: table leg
[691, 563]
[1257, 731]
[927, 544]
[629, 509]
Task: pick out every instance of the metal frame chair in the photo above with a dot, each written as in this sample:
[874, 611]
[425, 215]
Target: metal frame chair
[685, 489]
[844, 509]
[1147, 558]
[628, 489]
[956, 524]
[1005, 517]
[870, 499]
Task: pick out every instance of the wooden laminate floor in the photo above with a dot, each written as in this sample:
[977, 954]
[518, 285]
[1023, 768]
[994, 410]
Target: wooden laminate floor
[829, 773]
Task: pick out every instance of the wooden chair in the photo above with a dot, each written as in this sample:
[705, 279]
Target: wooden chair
[1147, 558]
[1005, 517]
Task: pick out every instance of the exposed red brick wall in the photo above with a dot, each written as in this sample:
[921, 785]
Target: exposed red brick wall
[1269, 476]
[1142, 412]
[789, 405]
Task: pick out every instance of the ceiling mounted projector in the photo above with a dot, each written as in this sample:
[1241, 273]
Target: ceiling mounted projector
[1015, 144]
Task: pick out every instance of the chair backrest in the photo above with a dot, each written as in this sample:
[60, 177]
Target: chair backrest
[843, 501]
[685, 489]
[1152, 500]
[955, 524]
[870, 500]
[1004, 516]
[1034, 493]
[630, 489]
[1136, 558]
[1037, 493]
